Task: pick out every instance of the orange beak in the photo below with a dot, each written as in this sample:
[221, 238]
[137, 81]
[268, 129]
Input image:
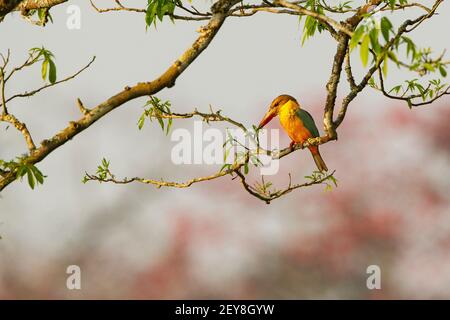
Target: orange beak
[267, 117]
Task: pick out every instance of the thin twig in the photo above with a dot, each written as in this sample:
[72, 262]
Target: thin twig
[27, 94]
[409, 99]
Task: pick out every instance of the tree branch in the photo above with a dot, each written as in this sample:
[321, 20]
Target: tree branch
[21, 127]
[7, 6]
[267, 196]
[166, 80]
[33, 92]
[329, 23]
[120, 7]
[356, 90]
[338, 61]
[409, 99]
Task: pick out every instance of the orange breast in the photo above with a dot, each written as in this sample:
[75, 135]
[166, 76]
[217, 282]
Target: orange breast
[293, 126]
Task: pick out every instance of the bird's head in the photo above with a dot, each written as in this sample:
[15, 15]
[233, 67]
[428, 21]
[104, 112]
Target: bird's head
[274, 108]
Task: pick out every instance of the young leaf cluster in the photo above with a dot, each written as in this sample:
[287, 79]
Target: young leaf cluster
[329, 182]
[21, 169]
[372, 35]
[157, 9]
[311, 24]
[48, 64]
[156, 110]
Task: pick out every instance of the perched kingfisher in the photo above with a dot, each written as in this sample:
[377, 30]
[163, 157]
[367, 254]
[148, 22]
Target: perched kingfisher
[297, 122]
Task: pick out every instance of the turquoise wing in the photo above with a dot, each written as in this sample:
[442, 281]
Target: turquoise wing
[308, 122]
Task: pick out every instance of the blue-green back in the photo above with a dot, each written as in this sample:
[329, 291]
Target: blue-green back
[308, 122]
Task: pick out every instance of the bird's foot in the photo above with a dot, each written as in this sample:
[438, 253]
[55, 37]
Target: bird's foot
[292, 145]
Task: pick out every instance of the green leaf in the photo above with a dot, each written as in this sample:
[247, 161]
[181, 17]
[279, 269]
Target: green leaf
[41, 14]
[169, 124]
[311, 24]
[428, 67]
[161, 122]
[396, 89]
[309, 29]
[356, 37]
[410, 47]
[226, 153]
[386, 27]
[385, 66]
[37, 174]
[374, 40]
[150, 14]
[21, 171]
[141, 121]
[392, 4]
[105, 163]
[442, 71]
[52, 73]
[364, 51]
[334, 180]
[393, 57]
[44, 69]
[158, 9]
[161, 11]
[30, 177]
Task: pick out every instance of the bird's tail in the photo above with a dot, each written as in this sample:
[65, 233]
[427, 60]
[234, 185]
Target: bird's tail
[318, 159]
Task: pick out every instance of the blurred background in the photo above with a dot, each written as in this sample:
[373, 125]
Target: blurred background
[214, 240]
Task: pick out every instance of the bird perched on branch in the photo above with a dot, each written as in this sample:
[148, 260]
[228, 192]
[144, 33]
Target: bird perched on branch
[297, 123]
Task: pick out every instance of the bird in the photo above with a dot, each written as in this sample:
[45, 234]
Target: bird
[297, 122]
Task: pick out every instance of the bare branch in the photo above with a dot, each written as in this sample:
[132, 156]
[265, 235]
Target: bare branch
[238, 11]
[406, 5]
[263, 193]
[332, 86]
[5, 59]
[27, 5]
[269, 196]
[2, 90]
[161, 183]
[426, 16]
[120, 7]
[349, 72]
[85, 111]
[328, 8]
[32, 58]
[7, 6]
[21, 127]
